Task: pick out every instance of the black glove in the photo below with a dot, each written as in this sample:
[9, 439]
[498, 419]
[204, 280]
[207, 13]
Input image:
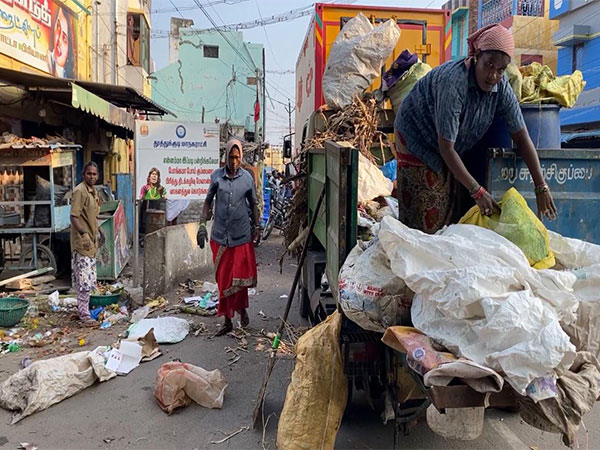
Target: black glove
[201, 236]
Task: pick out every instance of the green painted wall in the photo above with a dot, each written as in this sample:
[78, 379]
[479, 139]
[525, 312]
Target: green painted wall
[222, 85]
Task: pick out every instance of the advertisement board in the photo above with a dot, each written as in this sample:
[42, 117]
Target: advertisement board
[44, 34]
[175, 160]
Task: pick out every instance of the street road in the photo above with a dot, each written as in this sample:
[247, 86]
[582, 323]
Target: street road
[122, 412]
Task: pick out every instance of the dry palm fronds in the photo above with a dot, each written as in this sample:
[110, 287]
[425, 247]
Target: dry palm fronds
[357, 124]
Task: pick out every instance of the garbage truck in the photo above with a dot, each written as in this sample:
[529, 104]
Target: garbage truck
[426, 32]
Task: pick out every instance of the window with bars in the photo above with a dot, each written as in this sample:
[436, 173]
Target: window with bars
[211, 51]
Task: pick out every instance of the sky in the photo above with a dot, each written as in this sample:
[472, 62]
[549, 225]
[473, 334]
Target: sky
[282, 42]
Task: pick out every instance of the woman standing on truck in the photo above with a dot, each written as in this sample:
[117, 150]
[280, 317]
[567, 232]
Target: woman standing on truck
[445, 114]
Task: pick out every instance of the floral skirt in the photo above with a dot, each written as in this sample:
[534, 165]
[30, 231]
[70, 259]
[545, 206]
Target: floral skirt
[427, 200]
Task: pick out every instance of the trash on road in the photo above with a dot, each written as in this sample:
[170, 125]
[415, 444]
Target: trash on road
[149, 345]
[167, 330]
[252, 291]
[124, 359]
[197, 310]
[46, 382]
[156, 303]
[207, 286]
[178, 384]
[229, 436]
[139, 314]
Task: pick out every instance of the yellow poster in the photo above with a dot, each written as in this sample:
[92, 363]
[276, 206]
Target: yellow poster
[44, 34]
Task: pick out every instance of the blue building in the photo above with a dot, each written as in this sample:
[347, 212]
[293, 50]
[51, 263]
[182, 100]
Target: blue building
[460, 26]
[214, 77]
[578, 39]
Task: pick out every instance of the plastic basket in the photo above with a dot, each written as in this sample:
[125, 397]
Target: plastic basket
[104, 300]
[12, 310]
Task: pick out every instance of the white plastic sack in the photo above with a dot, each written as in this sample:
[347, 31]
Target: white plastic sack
[477, 294]
[372, 183]
[356, 57]
[167, 330]
[583, 260]
[47, 382]
[370, 294]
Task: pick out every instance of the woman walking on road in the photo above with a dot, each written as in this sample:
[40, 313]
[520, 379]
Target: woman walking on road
[232, 189]
[445, 114]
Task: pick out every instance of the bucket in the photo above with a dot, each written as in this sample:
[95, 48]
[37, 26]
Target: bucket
[154, 219]
[465, 424]
[543, 125]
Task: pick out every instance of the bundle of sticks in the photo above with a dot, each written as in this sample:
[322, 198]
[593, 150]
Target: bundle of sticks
[357, 124]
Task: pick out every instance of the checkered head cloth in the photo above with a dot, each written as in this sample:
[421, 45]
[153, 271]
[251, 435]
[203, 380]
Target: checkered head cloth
[492, 37]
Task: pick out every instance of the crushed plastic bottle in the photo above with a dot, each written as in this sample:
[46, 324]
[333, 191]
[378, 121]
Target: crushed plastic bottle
[106, 324]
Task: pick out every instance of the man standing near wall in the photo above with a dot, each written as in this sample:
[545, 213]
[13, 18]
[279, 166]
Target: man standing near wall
[85, 208]
[232, 235]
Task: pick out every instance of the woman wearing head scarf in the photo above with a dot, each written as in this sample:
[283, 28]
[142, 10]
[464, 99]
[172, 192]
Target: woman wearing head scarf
[234, 195]
[445, 114]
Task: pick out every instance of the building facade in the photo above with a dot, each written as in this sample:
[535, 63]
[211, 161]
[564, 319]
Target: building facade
[578, 39]
[460, 27]
[214, 77]
[531, 25]
[120, 43]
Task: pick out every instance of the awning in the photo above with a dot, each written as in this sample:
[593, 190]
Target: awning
[92, 104]
[99, 99]
[125, 97]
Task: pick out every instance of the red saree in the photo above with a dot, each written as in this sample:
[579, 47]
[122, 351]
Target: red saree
[235, 272]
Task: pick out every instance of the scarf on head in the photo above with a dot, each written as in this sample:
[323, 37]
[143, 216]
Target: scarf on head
[233, 143]
[492, 37]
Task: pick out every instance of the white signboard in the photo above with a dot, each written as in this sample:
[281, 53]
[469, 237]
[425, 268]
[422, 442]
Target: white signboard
[184, 155]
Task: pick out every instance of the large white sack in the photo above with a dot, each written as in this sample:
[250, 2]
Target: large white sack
[369, 293]
[477, 294]
[47, 382]
[356, 57]
[583, 260]
[372, 183]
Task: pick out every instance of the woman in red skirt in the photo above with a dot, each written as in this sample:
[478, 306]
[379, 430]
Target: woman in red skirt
[234, 195]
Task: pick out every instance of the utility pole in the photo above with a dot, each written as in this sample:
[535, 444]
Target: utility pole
[264, 97]
[257, 100]
[290, 110]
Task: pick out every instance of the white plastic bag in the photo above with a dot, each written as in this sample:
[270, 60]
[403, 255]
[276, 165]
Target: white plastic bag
[167, 330]
[370, 294]
[372, 183]
[476, 293]
[356, 57]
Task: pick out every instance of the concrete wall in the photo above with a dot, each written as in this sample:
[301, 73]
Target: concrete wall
[171, 256]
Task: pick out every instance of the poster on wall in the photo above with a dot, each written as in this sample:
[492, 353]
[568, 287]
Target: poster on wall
[44, 34]
[175, 160]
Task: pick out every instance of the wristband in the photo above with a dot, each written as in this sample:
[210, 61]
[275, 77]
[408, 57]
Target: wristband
[480, 193]
[541, 189]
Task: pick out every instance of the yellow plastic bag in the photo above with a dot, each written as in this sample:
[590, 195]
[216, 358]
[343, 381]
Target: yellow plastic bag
[318, 392]
[517, 223]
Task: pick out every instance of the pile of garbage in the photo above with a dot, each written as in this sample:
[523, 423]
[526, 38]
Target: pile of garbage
[477, 295]
[535, 83]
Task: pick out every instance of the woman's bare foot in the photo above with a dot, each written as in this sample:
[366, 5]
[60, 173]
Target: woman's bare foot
[244, 319]
[225, 328]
